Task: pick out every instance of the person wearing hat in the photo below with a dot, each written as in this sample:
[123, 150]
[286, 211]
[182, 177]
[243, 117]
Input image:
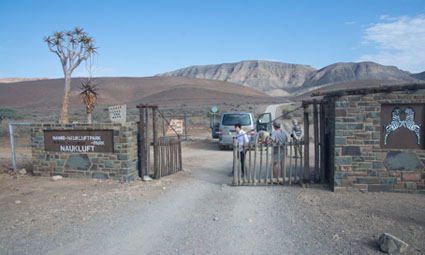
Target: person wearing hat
[279, 137]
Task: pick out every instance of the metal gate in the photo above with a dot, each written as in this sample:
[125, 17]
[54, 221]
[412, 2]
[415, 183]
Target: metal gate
[268, 163]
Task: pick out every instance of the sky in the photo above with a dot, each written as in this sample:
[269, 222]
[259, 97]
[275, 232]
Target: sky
[145, 38]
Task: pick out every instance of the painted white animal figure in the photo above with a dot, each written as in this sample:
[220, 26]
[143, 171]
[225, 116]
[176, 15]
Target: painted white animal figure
[410, 124]
[395, 123]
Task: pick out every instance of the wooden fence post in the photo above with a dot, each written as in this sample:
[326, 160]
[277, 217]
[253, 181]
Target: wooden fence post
[235, 163]
[306, 145]
[142, 151]
[148, 144]
[185, 126]
[322, 142]
[155, 142]
[316, 140]
[180, 153]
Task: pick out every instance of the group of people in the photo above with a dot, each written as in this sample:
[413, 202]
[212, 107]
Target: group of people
[278, 136]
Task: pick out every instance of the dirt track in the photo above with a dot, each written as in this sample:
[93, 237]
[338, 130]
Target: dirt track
[197, 212]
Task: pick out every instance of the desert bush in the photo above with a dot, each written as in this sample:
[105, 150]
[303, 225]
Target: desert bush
[10, 113]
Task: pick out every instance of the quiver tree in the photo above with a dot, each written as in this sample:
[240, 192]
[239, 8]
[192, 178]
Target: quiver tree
[89, 96]
[72, 48]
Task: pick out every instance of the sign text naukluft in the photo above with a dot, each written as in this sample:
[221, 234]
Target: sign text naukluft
[81, 141]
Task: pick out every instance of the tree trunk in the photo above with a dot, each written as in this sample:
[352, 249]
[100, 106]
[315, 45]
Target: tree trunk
[64, 112]
[89, 117]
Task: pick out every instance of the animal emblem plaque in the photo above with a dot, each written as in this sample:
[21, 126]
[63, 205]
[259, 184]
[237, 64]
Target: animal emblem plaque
[404, 121]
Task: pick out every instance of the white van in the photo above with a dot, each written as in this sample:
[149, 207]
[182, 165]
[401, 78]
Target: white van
[226, 128]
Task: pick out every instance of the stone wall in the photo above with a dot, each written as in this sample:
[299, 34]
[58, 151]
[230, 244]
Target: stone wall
[119, 165]
[361, 163]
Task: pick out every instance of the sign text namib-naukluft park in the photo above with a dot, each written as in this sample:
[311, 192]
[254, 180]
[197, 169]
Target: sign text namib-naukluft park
[78, 141]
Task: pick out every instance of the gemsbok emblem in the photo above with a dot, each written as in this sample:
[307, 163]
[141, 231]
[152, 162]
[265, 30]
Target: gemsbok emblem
[396, 123]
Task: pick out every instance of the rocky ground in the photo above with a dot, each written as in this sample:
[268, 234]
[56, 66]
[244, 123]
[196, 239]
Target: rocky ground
[197, 212]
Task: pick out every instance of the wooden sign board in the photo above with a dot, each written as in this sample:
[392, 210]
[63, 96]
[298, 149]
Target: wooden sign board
[177, 125]
[118, 113]
[79, 141]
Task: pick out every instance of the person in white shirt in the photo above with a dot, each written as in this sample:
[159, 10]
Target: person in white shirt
[243, 141]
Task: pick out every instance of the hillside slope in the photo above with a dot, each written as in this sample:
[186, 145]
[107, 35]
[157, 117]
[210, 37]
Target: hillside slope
[261, 75]
[345, 72]
[48, 94]
[270, 77]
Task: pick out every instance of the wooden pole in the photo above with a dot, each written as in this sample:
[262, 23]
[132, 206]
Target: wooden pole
[235, 163]
[180, 153]
[255, 161]
[296, 166]
[142, 147]
[163, 127]
[306, 146]
[185, 126]
[261, 164]
[316, 140]
[249, 165]
[322, 143]
[148, 144]
[267, 162]
[290, 162]
[301, 159]
[238, 152]
[155, 142]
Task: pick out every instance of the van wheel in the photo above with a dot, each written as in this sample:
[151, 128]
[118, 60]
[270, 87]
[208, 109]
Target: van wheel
[221, 147]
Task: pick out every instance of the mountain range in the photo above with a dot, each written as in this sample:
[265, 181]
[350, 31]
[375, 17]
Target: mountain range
[280, 79]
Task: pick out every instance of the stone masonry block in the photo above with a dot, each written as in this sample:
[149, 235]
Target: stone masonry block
[402, 161]
[343, 161]
[368, 180]
[355, 126]
[98, 175]
[388, 180]
[410, 185]
[340, 175]
[380, 188]
[414, 177]
[351, 150]
[340, 140]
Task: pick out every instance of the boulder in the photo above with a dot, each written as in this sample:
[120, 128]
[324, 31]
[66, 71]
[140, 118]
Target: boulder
[392, 245]
[56, 178]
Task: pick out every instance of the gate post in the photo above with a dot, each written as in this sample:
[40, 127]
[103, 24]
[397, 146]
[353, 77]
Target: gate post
[142, 151]
[306, 144]
[322, 142]
[235, 163]
[180, 153]
[155, 141]
[316, 140]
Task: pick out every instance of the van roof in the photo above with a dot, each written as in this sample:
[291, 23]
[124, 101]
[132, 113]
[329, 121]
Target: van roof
[237, 113]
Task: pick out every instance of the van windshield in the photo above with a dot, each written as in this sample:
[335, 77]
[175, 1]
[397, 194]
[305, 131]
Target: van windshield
[232, 119]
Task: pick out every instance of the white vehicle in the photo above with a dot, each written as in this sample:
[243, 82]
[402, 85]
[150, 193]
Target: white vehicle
[226, 128]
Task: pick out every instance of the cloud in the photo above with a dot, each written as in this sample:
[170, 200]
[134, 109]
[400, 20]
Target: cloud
[398, 41]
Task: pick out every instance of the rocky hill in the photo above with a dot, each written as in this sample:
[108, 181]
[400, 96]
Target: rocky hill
[261, 75]
[344, 72]
[419, 76]
[271, 77]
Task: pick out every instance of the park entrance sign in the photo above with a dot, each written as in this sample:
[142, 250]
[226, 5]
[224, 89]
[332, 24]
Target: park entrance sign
[78, 141]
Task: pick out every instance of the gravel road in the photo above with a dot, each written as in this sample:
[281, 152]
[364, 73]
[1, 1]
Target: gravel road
[197, 212]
